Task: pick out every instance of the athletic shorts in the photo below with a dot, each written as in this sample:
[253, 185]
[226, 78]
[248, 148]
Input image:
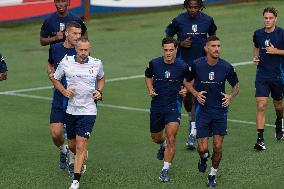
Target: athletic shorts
[57, 115]
[209, 124]
[158, 119]
[264, 87]
[81, 125]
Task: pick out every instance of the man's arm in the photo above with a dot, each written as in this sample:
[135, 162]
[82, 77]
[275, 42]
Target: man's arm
[229, 97]
[3, 69]
[255, 59]
[198, 95]
[50, 71]
[149, 85]
[98, 94]
[272, 50]
[47, 40]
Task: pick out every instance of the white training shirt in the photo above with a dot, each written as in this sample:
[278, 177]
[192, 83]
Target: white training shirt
[82, 78]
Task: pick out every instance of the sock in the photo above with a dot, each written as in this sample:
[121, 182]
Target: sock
[164, 144]
[71, 157]
[166, 165]
[213, 171]
[260, 133]
[77, 176]
[63, 148]
[204, 156]
[193, 129]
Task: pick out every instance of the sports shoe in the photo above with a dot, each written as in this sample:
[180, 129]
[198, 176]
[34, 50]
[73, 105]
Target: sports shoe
[190, 144]
[63, 160]
[160, 153]
[75, 184]
[259, 144]
[164, 175]
[202, 165]
[211, 181]
[278, 129]
[71, 170]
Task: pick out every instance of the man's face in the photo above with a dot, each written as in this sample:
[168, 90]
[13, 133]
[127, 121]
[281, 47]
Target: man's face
[73, 35]
[213, 49]
[170, 52]
[193, 8]
[61, 6]
[83, 50]
[269, 20]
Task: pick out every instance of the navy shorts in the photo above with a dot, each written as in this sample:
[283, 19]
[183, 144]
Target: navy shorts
[57, 115]
[158, 119]
[209, 124]
[264, 87]
[81, 125]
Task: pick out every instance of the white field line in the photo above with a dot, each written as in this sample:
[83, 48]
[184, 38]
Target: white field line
[126, 108]
[108, 80]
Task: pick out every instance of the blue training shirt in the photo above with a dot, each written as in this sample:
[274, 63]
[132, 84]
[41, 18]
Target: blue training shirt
[54, 23]
[197, 28]
[3, 66]
[212, 79]
[167, 82]
[56, 53]
[270, 65]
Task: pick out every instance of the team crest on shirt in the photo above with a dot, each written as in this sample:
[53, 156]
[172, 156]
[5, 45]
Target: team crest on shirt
[267, 42]
[167, 74]
[211, 76]
[61, 27]
[194, 27]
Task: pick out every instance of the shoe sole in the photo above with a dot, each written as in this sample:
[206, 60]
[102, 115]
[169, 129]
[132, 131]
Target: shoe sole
[189, 146]
[259, 148]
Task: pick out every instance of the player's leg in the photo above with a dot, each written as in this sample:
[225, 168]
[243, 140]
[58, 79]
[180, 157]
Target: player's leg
[262, 91]
[71, 136]
[56, 132]
[84, 127]
[170, 133]
[188, 102]
[157, 125]
[277, 95]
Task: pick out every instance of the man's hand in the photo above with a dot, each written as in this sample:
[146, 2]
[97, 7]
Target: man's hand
[69, 92]
[200, 97]
[183, 91]
[186, 43]
[59, 36]
[255, 59]
[97, 95]
[271, 49]
[3, 76]
[152, 93]
[227, 99]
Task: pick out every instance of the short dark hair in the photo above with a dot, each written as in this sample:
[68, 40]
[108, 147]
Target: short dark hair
[270, 10]
[169, 40]
[73, 24]
[212, 38]
[199, 2]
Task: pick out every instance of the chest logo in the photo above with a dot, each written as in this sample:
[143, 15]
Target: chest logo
[61, 27]
[194, 27]
[211, 76]
[167, 74]
[267, 42]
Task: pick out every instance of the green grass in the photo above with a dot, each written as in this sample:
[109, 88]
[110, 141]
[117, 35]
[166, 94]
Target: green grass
[121, 152]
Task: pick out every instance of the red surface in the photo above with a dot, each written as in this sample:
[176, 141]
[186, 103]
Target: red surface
[30, 9]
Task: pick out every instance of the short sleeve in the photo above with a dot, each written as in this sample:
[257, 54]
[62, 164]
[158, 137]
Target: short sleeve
[212, 28]
[3, 66]
[59, 73]
[101, 72]
[256, 44]
[50, 55]
[44, 32]
[232, 77]
[190, 73]
[149, 70]
[172, 28]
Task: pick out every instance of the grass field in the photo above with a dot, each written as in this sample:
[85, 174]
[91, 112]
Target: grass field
[120, 150]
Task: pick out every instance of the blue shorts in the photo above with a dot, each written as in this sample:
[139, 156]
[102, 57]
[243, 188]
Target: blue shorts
[264, 87]
[81, 125]
[58, 107]
[209, 124]
[158, 119]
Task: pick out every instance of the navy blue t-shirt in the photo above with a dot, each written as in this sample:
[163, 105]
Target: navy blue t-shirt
[167, 82]
[55, 23]
[3, 66]
[270, 65]
[212, 79]
[56, 53]
[197, 28]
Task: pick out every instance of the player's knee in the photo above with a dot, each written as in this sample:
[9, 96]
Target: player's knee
[278, 105]
[217, 148]
[157, 138]
[261, 107]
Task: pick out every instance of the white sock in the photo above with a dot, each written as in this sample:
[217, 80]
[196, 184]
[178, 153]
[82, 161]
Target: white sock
[193, 129]
[164, 144]
[166, 165]
[63, 148]
[213, 171]
[71, 157]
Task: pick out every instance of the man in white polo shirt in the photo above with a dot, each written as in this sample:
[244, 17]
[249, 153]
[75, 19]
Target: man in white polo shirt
[85, 82]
